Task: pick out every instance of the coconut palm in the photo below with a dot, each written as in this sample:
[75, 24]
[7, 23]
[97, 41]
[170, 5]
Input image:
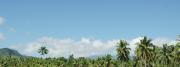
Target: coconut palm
[43, 50]
[166, 56]
[108, 59]
[155, 54]
[144, 52]
[123, 51]
[71, 60]
[177, 53]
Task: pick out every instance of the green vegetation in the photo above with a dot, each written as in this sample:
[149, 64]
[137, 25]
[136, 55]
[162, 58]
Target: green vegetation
[43, 50]
[123, 52]
[146, 55]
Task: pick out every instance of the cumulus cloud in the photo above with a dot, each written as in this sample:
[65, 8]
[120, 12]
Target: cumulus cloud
[65, 47]
[84, 47]
[2, 37]
[160, 41]
[1, 20]
[133, 44]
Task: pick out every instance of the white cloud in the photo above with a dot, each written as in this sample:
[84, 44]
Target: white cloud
[2, 37]
[84, 47]
[160, 41]
[65, 47]
[1, 20]
[133, 44]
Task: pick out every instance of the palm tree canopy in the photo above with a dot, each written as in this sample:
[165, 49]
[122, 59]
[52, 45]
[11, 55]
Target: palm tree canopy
[43, 50]
[123, 51]
[145, 50]
[166, 54]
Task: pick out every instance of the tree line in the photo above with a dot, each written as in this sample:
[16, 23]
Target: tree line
[146, 55]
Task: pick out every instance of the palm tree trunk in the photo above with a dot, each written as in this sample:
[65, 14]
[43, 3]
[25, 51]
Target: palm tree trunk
[145, 64]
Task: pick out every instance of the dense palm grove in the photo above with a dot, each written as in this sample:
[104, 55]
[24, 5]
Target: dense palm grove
[146, 55]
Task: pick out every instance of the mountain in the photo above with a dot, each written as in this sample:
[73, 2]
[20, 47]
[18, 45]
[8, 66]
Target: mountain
[8, 52]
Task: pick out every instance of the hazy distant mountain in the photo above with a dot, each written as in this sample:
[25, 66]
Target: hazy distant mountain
[8, 52]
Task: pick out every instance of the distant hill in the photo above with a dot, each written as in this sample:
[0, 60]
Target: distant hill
[8, 52]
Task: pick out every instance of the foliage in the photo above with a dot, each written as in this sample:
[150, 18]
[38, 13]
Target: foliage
[43, 50]
[123, 51]
[147, 55]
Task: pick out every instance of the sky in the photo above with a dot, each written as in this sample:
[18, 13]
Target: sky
[25, 23]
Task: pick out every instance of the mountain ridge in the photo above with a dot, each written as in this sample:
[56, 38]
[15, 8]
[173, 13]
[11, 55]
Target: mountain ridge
[9, 52]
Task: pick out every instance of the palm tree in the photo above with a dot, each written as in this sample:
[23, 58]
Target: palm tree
[177, 53]
[108, 59]
[43, 50]
[123, 51]
[166, 56]
[71, 60]
[144, 51]
[155, 55]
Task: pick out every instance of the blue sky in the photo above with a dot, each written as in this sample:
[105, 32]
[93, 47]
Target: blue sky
[28, 20]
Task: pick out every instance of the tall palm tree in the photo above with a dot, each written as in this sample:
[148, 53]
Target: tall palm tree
[144, 51]
[166, 56]
[71, 60]
[43, 50]
[123, 51]
[108, 59]
[155, 55]
[177, 53]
